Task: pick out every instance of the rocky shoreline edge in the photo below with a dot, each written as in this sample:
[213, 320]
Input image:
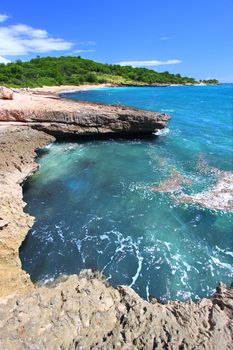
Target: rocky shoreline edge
[83, 312]
[46, 111]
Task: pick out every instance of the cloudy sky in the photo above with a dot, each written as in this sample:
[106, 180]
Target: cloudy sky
[192, 37]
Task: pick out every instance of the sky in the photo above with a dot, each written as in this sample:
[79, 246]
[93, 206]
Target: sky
[190, 37]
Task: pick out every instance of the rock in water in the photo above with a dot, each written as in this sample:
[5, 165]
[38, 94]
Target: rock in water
[6, 94]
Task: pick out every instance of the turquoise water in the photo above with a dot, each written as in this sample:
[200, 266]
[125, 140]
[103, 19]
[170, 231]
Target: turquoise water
[95, 208]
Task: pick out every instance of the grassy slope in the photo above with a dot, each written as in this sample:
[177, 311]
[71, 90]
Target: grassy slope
[76, 70]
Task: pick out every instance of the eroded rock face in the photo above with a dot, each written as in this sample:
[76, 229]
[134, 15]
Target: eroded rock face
[85, 313]
[17, 154]
[66, 117]
[6, 94]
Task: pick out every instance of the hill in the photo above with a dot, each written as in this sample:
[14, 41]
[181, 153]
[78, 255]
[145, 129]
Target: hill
[76, 70]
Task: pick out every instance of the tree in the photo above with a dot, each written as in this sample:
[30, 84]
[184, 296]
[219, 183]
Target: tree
[91, 78]
[76, 70]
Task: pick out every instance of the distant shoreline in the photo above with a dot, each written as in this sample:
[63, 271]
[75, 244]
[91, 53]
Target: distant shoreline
[73, 70]
[59, 89]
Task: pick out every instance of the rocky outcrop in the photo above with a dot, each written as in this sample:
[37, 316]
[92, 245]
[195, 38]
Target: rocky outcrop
[6, 94]
[65, 117]
[83, 312]
[17, 154]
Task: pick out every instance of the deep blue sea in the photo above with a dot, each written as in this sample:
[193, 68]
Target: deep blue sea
[95, 207]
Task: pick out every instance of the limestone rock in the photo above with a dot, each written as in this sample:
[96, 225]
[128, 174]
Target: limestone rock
[62, 117]
[17, 154]
[84, 312]
[6, 94]
[3, 223]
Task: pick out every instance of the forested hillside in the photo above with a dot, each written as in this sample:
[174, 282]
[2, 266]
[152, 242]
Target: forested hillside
[76, 70]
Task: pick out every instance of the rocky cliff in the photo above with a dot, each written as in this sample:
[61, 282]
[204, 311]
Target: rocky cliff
[17, 162]
[83, 312]
[66, 117]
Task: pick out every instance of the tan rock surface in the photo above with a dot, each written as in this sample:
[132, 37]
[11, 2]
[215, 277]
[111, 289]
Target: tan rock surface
[17, 153]
[85, 313]
[60, 117]
[6, 94]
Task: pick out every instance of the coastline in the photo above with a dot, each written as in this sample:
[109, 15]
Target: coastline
[30, 121]
[17, 162]
[67, 88]
[47, 111]
[56, 90]
[83, 310]
[49, 316]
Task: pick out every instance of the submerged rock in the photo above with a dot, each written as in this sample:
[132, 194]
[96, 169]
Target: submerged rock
[173, 183]
[218, 197]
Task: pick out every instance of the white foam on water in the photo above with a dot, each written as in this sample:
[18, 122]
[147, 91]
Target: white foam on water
[117, 250]
[184, 294]
[222, 265]
[162, 132]
[49, 238]
[78, 244]
[224, 251]
[103, 237]
[211, 268]
[46, 280]
[140, 260]
[217, 197]
[48, 146]
[147, 291]
[60, 233]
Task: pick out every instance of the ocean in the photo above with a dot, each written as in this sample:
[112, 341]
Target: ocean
[115, 205]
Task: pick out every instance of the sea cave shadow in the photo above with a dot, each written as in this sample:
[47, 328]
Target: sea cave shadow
[121, 138]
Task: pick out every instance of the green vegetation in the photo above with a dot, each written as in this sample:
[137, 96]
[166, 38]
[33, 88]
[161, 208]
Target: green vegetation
[76, 70]
[209, 81]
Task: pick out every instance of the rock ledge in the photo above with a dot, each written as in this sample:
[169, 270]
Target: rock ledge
[63, 117]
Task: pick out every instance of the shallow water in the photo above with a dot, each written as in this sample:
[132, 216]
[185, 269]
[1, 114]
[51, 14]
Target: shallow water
[95, 207]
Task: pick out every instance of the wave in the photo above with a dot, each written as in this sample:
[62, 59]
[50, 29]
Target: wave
[162, 132]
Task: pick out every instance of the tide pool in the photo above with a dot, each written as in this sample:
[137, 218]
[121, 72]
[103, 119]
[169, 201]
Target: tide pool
[95, 207]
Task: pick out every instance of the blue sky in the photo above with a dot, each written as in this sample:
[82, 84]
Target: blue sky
[191, 37]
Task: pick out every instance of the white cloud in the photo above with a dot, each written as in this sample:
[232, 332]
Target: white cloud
[89, 42]
[23, 29]
[165, 38]
[148, 63]
[4, 60]
[21, 39]
[80, 51]
[3, 17]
